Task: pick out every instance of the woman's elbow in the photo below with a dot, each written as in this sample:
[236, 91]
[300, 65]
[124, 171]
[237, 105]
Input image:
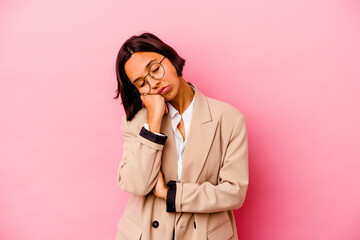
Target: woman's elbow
[133, 187]
[241, 194]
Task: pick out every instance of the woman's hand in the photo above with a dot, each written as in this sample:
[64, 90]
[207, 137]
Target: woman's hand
[160, 190]
[156, 106]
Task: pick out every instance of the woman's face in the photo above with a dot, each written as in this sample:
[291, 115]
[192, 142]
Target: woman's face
[136, 69]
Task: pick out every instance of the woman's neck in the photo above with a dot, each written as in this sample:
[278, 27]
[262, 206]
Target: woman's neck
[183, 98]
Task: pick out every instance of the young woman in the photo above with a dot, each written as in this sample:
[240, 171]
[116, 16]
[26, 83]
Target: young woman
[185, 155]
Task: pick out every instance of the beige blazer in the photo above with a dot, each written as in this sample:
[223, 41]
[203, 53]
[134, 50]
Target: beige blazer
[214, 178]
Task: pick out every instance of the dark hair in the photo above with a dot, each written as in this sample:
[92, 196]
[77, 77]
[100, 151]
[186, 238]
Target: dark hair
[146, 42]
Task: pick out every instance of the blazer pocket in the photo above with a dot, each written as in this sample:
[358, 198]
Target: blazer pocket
[129, 229]
[222, 232]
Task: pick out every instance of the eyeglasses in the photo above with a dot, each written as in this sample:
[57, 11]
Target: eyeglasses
[156, 71]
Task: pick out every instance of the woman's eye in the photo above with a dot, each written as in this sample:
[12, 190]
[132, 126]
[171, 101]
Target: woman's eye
[156, 69]
[140, 83]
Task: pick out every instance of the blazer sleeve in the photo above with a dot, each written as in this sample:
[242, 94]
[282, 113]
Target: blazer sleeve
[139, 167]
[229, 193]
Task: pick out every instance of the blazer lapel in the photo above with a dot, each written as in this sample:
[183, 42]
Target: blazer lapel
[201, 134]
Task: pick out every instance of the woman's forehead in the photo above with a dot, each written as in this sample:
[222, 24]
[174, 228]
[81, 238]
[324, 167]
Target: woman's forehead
[136, 64]
[143, 57]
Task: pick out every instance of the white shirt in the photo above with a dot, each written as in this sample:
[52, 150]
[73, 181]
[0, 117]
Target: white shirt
[175, 120]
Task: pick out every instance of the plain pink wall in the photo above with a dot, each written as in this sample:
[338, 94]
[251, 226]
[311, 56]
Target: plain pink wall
[292, 67]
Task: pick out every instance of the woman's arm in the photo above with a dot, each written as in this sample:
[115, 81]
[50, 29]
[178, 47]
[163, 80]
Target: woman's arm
[140, 165]
[230, 192]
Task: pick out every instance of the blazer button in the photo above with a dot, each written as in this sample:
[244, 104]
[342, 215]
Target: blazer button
[155, 224]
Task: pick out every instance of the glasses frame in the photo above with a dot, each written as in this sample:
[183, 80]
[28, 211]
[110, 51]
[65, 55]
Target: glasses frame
[136, 91]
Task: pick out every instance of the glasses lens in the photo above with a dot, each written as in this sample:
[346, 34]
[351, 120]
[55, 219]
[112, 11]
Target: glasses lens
[156, 71]
[143, 87]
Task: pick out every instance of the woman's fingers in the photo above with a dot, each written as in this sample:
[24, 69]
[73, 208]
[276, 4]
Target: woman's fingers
[160, 189]
[155, 104]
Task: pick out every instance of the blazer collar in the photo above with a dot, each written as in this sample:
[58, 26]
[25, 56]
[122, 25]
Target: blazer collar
[201, 134]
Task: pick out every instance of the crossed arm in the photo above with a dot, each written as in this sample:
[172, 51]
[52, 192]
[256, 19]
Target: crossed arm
[142, 157]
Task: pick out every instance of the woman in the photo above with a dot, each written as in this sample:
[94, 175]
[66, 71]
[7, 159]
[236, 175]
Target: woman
[185, 159]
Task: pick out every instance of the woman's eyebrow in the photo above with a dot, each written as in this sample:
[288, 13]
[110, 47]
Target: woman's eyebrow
[147, 65]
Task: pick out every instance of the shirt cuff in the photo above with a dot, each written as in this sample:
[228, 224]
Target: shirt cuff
[171, 196]
[157, 138]
[146, 125]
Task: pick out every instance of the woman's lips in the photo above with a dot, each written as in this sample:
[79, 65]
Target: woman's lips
[164, 90]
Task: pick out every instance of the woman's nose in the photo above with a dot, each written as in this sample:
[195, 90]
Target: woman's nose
[154, 83]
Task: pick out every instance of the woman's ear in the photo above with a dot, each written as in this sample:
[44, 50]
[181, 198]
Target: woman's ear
[142, 103]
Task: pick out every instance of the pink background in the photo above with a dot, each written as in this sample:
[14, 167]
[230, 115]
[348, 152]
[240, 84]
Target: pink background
[292, 67]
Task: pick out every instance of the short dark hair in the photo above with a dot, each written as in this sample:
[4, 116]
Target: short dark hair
[146, 42]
